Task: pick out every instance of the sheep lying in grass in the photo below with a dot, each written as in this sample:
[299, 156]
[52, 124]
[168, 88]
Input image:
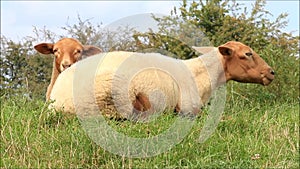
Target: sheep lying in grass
[67, 51]
[127, 82]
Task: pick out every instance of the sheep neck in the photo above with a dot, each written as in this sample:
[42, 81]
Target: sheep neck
[208, 73]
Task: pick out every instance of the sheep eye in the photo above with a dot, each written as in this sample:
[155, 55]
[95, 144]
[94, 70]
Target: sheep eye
[249, 54]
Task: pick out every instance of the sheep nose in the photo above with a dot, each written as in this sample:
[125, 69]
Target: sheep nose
[66, 65]
[272, 72]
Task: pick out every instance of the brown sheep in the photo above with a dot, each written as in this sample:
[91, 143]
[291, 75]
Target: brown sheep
[67, 51]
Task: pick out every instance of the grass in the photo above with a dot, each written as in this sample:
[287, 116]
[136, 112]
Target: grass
[250, 135]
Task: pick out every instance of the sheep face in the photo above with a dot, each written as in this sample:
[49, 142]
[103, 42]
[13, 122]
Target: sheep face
[242, 64]
[67, 51]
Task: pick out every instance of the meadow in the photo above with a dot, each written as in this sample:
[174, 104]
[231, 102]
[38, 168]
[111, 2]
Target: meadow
[253, 133]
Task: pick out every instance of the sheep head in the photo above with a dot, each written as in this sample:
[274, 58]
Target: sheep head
[242, 64]
[67, 51]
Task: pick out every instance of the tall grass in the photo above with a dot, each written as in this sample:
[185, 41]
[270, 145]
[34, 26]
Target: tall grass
[251, 134]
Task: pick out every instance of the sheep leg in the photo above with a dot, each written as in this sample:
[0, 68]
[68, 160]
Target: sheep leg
[177, 109]
[141, 105]
[54, 76]
[141, 102]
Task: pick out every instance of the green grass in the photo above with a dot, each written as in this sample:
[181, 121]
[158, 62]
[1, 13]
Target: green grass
[33, 137]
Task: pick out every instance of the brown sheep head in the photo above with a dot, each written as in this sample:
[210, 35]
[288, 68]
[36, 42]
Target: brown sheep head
[242, 64]
[67, 51]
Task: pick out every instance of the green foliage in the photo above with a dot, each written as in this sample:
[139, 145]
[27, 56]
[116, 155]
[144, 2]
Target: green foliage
[22, 71]
[163, 44]
[174, 38]
[286, 64]
[208, 16]
[11, 60]
[222, 21]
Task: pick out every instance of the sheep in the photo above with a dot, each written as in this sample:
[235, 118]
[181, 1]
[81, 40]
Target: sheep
[67, 51]
[123, 84]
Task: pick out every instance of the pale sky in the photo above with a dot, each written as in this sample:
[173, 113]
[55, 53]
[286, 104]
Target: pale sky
[19, 17]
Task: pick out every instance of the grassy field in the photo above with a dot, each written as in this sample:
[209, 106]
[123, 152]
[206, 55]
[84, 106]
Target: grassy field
[251, 134]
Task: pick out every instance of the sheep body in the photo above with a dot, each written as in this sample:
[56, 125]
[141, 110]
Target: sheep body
[113, 87]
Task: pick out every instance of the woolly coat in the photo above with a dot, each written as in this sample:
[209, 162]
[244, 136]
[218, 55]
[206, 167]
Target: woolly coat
[111, 83]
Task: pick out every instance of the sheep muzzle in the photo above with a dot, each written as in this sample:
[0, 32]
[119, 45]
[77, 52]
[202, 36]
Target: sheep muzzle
[268, 76]
[65, 65]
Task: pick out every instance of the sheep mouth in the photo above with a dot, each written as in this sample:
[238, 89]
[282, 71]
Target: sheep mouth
[63, 68]
[266, 80]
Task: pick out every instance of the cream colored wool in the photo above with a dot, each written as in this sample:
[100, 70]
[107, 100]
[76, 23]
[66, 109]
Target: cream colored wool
[112, 91]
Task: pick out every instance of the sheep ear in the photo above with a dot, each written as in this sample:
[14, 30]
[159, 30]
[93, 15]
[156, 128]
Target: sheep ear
[225, 51]
[203, 50]
[91, 50]
[44, 48]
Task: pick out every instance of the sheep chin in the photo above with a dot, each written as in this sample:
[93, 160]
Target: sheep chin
[63, 68]
[266, 81]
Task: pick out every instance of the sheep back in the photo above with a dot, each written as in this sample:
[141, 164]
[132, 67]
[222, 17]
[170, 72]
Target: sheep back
[113, 80]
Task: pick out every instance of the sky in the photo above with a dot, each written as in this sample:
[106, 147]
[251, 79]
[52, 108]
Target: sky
[19, 17]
